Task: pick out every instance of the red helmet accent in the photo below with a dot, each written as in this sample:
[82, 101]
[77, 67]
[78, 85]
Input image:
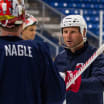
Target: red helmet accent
[12, 12]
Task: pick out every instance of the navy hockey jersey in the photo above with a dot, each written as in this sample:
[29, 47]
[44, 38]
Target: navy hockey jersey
[27, 74]
[92, 84]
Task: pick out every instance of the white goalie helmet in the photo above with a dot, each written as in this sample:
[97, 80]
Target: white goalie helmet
[30, 20]
[74, 20]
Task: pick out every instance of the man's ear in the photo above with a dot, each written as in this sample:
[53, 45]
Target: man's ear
[21, 28]
[84, 33]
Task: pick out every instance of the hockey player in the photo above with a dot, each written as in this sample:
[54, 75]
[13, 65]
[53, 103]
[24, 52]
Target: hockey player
[29, 28]
[27, 74]
[76, 52]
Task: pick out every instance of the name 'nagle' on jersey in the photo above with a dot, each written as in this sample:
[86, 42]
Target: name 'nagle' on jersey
[18, 50]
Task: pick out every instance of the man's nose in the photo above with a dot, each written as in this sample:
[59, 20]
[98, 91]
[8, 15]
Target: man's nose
[69, 34]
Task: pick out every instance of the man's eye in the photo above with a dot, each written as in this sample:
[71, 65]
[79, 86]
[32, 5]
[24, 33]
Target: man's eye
[65, 32]
[31, 29]
[73, 31]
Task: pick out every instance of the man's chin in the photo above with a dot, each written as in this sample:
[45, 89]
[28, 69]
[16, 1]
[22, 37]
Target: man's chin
[68, 46]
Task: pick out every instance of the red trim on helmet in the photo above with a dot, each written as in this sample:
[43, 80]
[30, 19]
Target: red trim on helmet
[9, 5]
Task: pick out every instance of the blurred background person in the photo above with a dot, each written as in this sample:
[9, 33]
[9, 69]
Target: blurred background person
[29, 28]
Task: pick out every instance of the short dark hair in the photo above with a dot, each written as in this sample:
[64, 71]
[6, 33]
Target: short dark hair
[14, 29]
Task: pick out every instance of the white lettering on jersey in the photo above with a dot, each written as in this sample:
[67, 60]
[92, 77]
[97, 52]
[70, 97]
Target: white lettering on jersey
[30, 52]
[14, 52]
[18, 50]
[7, 50]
